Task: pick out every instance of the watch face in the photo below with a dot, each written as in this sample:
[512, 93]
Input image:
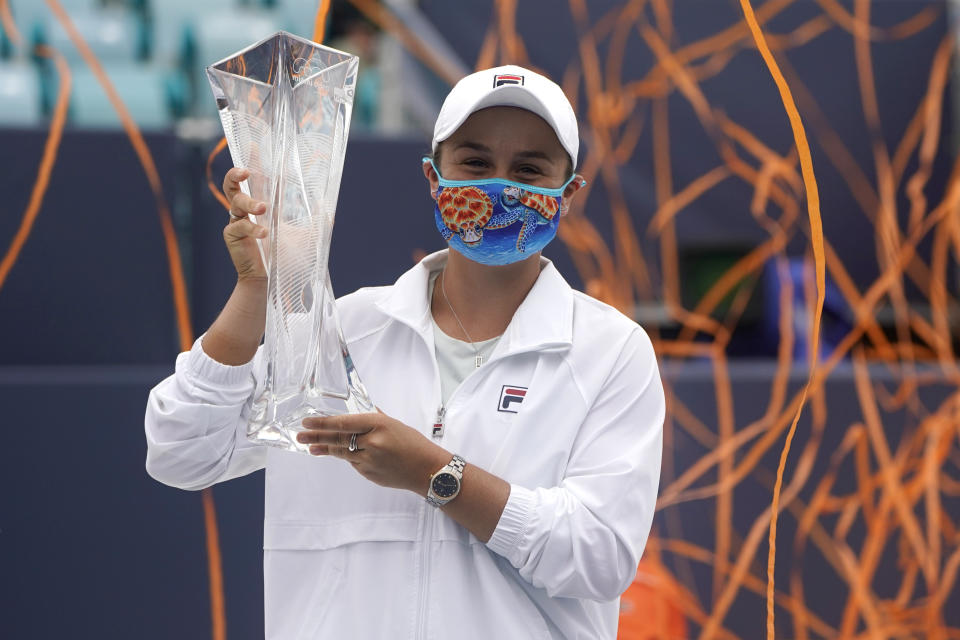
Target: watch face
[445, 485]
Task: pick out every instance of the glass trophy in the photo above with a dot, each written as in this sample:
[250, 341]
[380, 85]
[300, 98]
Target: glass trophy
[285, 106]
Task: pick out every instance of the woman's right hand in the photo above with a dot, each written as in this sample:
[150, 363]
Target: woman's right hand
[234, 336]
[241, 235]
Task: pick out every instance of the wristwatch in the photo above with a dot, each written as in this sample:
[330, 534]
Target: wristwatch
[445, 483]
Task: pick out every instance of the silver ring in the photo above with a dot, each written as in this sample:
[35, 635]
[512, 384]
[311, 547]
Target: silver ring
[353, 442]
[233, 218]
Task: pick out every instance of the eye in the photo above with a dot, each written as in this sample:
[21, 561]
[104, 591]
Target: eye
[529, 169]
[476, 163]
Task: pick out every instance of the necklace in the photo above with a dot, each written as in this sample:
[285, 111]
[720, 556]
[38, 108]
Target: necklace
[443, 290]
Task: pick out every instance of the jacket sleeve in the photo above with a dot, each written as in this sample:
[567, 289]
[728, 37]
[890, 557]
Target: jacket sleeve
[584, 538]
[196, 422]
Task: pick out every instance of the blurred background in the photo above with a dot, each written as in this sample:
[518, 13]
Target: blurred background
[695, 223]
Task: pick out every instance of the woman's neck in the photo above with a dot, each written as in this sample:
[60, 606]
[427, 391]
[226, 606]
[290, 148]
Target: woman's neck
[483, 297]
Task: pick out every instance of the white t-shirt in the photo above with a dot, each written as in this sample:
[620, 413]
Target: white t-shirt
[456, 359]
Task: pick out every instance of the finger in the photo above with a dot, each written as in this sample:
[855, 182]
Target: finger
[328, 450]
[329, 438]
[243, 228]
[349, 423]
[243, 205]
[231, 181]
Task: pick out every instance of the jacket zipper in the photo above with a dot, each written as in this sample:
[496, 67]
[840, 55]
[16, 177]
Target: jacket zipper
[438, 430]
[438, 423]
[425, 569]
[428, 515]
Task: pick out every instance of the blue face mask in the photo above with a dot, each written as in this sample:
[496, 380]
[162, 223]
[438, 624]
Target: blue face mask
[497, 221]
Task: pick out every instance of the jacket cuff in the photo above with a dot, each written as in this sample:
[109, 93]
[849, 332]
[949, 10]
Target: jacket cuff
[200, 366]
[514, 521]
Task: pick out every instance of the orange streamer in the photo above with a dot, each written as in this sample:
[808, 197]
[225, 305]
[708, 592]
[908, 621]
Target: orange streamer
[320, 21]
[146, 159]
[218, 614]
[214, 189]
[816, 227]
[218, 607]
[49, 153]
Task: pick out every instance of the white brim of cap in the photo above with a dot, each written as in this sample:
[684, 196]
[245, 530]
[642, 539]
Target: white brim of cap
[506, 96]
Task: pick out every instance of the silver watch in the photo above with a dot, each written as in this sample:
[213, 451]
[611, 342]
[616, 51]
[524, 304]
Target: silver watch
[445, 483]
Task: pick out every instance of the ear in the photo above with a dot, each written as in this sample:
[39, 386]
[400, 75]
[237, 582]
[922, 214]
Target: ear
[432, 178]
[570, 191]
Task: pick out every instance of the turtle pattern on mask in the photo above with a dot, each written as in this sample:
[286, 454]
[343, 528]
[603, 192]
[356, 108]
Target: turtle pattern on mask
[465, 211]
[532, 209]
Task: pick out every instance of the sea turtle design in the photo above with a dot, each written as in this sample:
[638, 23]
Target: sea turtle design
[465, 211]
[532, 209]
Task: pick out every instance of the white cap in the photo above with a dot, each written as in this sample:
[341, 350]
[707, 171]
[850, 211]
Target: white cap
[509, 86]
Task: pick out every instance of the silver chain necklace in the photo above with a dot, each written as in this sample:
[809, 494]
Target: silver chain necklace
[443, 290]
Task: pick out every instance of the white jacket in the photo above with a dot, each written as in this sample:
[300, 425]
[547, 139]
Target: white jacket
[345, 558]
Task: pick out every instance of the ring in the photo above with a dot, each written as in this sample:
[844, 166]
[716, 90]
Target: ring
[353, 442]
[233, 218]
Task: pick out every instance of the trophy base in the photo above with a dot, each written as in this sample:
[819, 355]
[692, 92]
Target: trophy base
[282, 433]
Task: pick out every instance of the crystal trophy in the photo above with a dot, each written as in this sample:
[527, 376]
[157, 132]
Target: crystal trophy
[285, 106]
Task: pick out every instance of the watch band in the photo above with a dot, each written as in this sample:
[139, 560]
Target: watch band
[457, 464]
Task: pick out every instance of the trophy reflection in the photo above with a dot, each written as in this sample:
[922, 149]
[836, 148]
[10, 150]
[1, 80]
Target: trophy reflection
[285, 106]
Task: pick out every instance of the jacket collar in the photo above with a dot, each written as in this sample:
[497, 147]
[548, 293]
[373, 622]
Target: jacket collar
[544, 320]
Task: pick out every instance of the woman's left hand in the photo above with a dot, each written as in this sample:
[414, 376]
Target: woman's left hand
[389, 453]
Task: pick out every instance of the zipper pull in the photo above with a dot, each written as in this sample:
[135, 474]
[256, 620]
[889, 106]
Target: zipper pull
[438, 425]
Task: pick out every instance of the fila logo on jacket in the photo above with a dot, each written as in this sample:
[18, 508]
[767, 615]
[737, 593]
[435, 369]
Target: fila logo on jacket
[510, 398]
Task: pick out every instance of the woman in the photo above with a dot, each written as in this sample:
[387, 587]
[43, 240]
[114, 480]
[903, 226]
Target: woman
[507, 486]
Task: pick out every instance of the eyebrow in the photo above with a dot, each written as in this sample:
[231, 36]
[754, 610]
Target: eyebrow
[540, 155]
[476, 146]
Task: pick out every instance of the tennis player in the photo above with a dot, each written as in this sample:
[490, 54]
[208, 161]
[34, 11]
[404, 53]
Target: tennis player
[506, 488]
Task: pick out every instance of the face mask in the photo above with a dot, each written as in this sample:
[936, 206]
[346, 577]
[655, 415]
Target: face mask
[497, 221]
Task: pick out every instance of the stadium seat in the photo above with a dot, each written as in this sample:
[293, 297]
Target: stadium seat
[20, 95]
[171, 26]
[27, 12]
[27, 15]
[146, 90]
[114, 34]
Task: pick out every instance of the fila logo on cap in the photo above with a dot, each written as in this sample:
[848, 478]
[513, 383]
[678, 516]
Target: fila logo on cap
[506, 78]
[510, 397]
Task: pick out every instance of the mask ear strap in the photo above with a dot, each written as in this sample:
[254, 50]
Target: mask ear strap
[583, 182]
[436, 194]
[430, 160]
